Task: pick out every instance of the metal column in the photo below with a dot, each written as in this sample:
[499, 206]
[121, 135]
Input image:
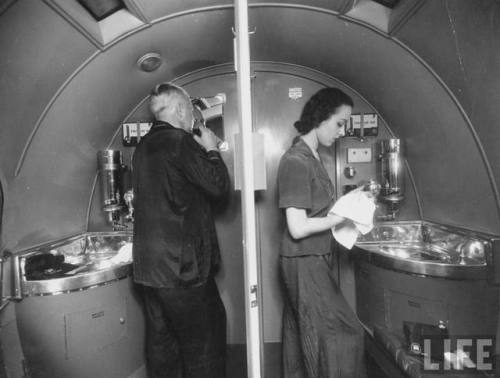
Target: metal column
[252, 304]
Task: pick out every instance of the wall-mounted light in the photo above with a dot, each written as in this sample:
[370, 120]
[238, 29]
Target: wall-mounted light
[149, 62]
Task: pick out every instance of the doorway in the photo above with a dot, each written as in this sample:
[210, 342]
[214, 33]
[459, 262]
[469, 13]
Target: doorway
[279, 92]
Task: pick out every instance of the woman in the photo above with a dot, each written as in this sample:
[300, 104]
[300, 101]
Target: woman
[322, 337]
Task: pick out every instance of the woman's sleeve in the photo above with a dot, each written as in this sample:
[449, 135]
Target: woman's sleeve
[294, 188]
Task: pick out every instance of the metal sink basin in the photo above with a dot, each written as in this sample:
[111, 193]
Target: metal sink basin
[426, 249]
[424, 252]
[73, 264]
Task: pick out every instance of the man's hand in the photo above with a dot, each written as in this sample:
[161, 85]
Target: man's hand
[208, 140]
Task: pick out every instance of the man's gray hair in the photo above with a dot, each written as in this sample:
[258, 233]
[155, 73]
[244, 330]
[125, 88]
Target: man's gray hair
[163, 97]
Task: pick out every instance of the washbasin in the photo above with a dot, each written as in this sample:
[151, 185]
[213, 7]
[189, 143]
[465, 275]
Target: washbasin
[427, 253]
[425, 249]
[74, 263]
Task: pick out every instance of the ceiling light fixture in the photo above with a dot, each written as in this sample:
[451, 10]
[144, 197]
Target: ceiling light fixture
[150, 62]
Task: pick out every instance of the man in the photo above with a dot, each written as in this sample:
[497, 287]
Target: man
[176, 177]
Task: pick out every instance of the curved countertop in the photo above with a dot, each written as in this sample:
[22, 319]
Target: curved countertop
[426, 249]
[75, 263]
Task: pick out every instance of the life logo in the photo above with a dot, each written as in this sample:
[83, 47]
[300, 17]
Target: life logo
[459, 354]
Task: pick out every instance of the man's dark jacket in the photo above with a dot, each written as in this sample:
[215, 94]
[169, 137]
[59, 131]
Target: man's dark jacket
[175, 181]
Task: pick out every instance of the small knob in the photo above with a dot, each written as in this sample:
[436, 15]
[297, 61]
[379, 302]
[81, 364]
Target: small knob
[349, 172]
[122, 320]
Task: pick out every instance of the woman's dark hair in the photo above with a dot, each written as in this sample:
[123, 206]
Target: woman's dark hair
[320, 107]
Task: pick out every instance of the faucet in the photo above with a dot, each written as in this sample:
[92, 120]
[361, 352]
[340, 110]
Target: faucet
[117, 218]
[129, 199]
[426, 234]
[392, 209]
[387, 217]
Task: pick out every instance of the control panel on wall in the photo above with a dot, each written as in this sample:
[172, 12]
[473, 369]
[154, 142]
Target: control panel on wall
[356, 152]
[132, 132]
[362, 125]
[356, 164]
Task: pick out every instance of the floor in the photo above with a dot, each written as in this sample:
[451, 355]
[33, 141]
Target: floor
[236, 362]
[236, 365]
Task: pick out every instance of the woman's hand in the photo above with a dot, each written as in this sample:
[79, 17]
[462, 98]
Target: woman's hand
[336, 219]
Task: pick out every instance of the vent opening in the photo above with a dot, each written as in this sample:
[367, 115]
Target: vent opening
[100, 9]
[387, 3]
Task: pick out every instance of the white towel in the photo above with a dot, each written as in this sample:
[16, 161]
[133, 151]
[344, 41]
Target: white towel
[358, 207]
[124, 254]
[346, 235]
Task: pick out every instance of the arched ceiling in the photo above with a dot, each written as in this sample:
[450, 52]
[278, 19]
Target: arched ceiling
[67, 84]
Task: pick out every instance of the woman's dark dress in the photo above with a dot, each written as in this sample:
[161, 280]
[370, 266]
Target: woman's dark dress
[322, 337]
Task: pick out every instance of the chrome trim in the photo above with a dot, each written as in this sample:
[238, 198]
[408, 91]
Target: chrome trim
[421, 268]
[16, 278]
[76, 283]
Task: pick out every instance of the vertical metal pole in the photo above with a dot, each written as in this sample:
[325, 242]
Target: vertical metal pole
[252, 305]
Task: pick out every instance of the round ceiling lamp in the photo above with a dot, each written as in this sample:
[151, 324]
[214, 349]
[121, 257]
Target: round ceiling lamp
[149, 62]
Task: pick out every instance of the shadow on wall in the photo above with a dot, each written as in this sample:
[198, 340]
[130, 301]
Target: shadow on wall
[191, 65]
